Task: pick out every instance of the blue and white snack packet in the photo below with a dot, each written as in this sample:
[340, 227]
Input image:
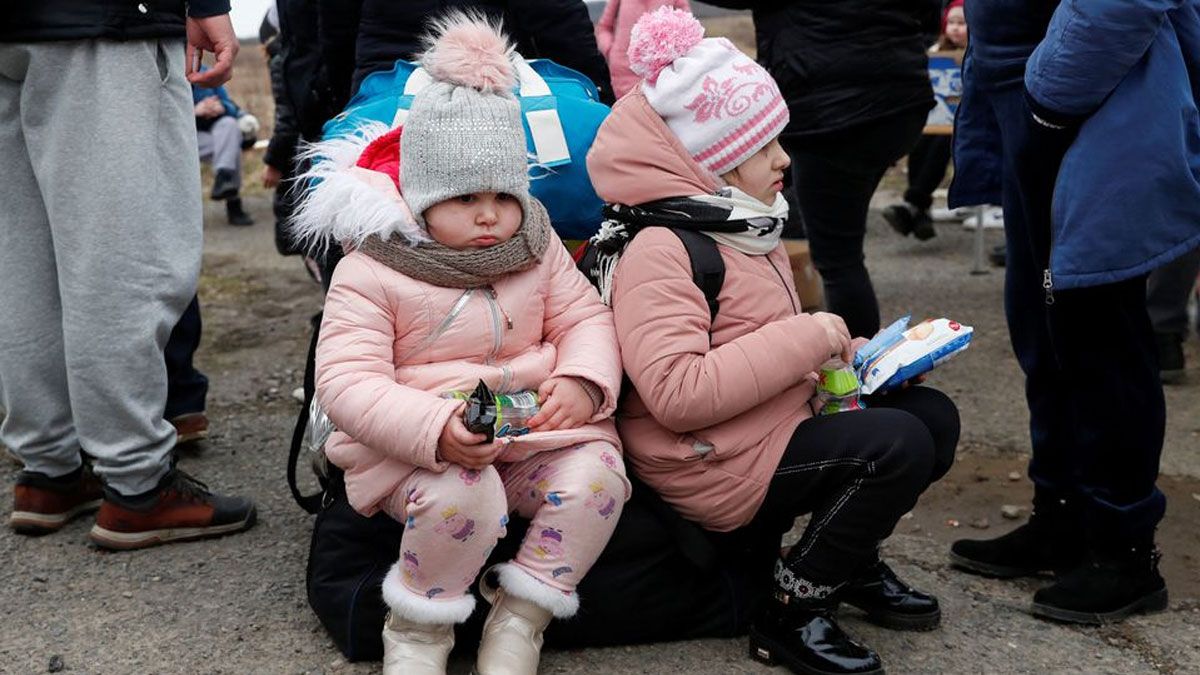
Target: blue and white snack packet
[899, 353]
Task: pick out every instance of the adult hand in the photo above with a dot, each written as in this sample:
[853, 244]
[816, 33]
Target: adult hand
[837, 334]
[210, 107]
[213, 34]
[458, 445]
[565, 405]
[271, 176]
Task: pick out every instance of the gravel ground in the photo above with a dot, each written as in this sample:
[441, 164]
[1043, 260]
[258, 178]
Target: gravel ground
[237, 605]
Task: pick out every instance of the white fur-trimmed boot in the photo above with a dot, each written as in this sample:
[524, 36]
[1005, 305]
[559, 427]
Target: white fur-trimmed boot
[521, 609]
[418, 633]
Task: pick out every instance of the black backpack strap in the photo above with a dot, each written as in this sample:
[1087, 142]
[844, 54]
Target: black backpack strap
[310, 503]
[708, 267]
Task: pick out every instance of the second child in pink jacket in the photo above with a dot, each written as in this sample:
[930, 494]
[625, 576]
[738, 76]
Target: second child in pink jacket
[463, 280]
[722, 419]
[613, 34]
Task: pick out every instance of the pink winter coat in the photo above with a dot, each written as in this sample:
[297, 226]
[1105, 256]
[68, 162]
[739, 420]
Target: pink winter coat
[390, 345]
[612, 36]
[708, 423]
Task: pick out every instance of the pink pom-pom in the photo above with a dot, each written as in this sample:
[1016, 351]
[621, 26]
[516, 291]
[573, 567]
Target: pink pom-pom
[468, 50]
[660, 37]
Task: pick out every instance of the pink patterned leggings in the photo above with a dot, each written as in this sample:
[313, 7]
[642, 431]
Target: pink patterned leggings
[453, 520]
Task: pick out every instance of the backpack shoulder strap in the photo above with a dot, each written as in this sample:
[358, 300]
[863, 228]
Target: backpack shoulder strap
[310, 503]
[708, 267]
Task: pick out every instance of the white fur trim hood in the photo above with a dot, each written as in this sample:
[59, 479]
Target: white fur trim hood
[345, 203]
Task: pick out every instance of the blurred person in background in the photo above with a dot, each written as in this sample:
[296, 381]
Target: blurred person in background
[856, 79]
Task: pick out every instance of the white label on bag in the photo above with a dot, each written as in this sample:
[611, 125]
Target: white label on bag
[549, 143]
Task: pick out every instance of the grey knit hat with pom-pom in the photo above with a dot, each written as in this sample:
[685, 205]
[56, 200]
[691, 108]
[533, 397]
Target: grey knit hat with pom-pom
[463, 133]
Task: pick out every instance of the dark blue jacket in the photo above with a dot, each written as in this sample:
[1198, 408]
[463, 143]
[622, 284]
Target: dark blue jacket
[1127, 73]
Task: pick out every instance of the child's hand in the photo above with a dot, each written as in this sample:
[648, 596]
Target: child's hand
[837, 334]
[565, 405]
[458, 445]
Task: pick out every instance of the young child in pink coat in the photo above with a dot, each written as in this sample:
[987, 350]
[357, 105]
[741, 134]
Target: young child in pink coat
[463, 280]
[613, 36]
[722, 419]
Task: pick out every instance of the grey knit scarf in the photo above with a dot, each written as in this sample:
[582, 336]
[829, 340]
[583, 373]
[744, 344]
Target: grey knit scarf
[440, 265]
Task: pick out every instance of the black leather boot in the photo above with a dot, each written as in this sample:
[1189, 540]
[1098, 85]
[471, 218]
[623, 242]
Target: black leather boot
[236, 214]
[225, 184]
[801, 633]
[1107, 587]
[1052, 541]
[891, 603]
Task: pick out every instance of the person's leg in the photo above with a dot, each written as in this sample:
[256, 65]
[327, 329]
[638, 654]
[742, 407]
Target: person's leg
[857, 473]
[574, 497]
[1117, 462]
[937, 412]
[452, 520]
[1167, 293]
[204, 145]
[187, 388]
[1052, 539]
[37, 427]
[131, 232]
[227, 146]
[926, 169]
[835, 176]
[127, 238]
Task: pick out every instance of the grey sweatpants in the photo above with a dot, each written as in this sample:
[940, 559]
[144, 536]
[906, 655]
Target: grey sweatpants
[222, 145]
[100, 244]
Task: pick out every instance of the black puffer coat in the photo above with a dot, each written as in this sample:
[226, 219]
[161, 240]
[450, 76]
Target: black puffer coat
[842, 62]
[52, 20]
[359, 37]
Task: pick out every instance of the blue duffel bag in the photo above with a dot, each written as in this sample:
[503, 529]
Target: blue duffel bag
[561, 112]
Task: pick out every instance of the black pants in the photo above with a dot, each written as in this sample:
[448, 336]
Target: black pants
[926, 168]
[835, 175]
[856, 473]
[1167, 293]
[187, 388]
[1096, 410]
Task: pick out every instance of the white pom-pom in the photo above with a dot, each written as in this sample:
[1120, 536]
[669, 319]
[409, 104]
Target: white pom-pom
[660, 37]
[466, 49]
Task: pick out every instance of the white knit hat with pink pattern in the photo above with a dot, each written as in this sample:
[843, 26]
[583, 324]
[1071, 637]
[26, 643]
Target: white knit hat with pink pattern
[722, 105]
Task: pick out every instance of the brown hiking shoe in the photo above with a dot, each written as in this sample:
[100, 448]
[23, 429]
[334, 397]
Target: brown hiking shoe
[180, 508]
[42, 504]
[190, 427]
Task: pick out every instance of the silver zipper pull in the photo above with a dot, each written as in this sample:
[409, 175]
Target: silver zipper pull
[1048, 285]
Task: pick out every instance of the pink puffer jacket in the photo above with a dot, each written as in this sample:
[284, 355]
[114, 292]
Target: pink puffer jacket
[612, 36]
[391, 344]
[708, 423]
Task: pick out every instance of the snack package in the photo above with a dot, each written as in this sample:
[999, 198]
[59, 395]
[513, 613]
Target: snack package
[898, 353]
[497, 415]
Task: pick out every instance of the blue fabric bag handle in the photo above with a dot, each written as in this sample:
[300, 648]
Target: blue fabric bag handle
[560, 110]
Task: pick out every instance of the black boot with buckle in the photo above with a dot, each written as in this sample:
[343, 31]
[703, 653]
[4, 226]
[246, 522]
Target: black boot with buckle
[889, 602]
[797, 630]
[1052, 541]
[1112, 583]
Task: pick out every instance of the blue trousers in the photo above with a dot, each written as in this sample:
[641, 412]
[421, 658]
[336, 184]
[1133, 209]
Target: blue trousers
[187, 388]
[1096, 409]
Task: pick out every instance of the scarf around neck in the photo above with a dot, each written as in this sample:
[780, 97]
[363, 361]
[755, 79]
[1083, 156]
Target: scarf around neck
[729, 216]
[440, 265]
